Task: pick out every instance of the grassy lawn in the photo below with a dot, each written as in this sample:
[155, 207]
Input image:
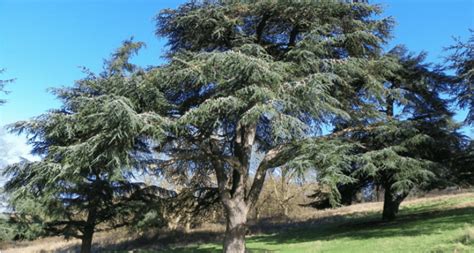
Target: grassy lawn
[442, 224]
[438, 226]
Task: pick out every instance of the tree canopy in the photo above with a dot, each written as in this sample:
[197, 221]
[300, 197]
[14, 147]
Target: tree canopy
[410, 142]
[248, 86]
[251, 80]
[89, 149]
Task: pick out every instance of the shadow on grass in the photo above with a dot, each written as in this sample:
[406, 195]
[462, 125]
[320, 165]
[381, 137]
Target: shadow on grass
[207, 250]
[324, 229]
[424, 223]
[160, 242]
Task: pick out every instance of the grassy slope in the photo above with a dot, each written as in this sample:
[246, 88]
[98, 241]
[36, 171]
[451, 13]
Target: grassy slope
[439, 226]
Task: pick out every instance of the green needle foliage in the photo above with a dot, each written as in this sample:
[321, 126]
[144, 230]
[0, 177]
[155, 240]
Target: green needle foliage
[251, 81]
[88, 150]
[334, 161]
[461, 60]
[3, 83]
[411, 141]
[462, 166]
[247, 88]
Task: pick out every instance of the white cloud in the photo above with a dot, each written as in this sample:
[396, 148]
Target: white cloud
[13, 148]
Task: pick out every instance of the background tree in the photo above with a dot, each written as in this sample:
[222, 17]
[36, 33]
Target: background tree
[461, 61]
[250, 80]
[89, 149]
[286, 184]
[5, 150]
[284, 190]
[414, 138]
[2, 86]
[462, 172]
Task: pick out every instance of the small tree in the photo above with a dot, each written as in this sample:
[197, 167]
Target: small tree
[250, 81]
[88, 149]
[283, 182]
[283, 192]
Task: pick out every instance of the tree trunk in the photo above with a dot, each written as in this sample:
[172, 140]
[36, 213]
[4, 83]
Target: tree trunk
[377, 193]
[391, 204]
[285, 210]
[86, 245]
[234, 240]
[187, 226]
[88, 233]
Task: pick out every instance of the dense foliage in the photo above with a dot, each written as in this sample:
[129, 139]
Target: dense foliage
[89, 149]
[251, 80]
[410, 144]
[248, 87]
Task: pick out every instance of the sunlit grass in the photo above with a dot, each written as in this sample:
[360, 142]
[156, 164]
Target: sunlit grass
[423, 227]
[432, 225]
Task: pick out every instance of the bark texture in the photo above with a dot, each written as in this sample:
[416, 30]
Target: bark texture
[86, 245]
[234, 240]
[88, 232]
[391, 204]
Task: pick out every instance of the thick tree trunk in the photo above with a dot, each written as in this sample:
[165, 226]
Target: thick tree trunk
[237, 200]
[391, 204]
[86, 245]
[234, 240]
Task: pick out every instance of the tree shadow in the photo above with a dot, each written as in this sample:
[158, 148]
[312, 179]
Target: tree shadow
[363, 229]
[336, 227]
[160, 242]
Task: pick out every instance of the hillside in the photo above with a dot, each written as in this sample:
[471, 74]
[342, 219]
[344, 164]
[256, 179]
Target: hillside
[434, 224]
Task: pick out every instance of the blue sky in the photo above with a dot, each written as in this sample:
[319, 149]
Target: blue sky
[43, 42]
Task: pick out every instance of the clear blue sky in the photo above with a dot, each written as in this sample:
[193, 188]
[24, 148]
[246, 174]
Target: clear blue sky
[43, 42]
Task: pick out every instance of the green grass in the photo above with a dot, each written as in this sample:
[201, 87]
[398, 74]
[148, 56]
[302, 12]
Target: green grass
[427, 227]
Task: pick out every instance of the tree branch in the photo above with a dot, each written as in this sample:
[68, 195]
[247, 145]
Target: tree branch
[348, 130]
[261, 26]
[269, 161]
[293, 35]
[221, 180]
